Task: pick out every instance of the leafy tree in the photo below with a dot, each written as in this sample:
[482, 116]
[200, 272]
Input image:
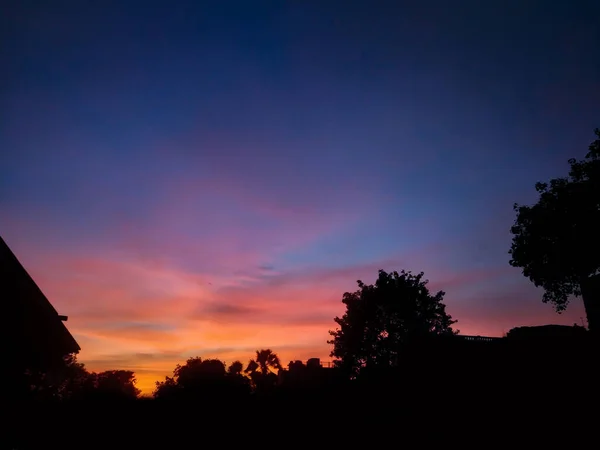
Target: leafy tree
[240, 383]
[66, 379]
[166, 389]
[556, 242]
[202, 378]
[116, 384]
[197, 371]
[380, 318]
[235, 368]
[77, 379]
[72, 381]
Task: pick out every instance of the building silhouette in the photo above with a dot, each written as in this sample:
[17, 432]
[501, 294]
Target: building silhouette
[37, 338]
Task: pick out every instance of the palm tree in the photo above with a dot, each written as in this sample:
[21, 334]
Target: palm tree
[261, 370]
[251, 368]
[267, 360]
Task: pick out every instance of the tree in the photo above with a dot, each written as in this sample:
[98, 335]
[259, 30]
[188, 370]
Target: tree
[202, 378]
[167, 389]
[380, 318]
[197, 371]
[267, 361]
[67, 380]
[240, 383]
[235, 368]
[77, 383]
[77, 379]
[556, 242]
[116, 384]
[261, 370]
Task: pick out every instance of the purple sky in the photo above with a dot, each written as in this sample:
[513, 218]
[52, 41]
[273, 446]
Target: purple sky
[185, 179]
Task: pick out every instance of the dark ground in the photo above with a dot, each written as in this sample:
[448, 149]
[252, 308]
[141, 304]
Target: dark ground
[534, 398]
[485, 415]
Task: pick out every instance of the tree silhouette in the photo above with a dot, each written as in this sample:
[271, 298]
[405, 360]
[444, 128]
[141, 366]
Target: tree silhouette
[235, 368]
[116, 384]
[240, 383]
[202, 378]
[381, 318]
[261, 370]
[69, 379]
[251, 368]
[267, 361]
[167, 389]
[556, 241]
[77, 380]
[198, 370]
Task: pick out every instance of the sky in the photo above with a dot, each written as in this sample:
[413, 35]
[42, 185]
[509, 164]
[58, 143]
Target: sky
[197, 178]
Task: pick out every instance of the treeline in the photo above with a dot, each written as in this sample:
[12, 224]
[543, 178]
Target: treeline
[197, 378]
[538, 363]
[395, 338]
[71, 381]
[201, 378]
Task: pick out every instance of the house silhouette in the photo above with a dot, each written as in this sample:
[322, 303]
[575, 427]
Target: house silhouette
[34, 332]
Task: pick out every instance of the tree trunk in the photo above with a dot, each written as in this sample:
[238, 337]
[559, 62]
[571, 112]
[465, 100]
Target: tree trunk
[590, 293]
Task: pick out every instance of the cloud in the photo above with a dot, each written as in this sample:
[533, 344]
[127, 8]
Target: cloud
[100, 288]
[132, 332]
[228, 230]
[218, 310]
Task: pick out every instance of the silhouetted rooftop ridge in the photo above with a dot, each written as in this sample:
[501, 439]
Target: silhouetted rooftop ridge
[31, 314]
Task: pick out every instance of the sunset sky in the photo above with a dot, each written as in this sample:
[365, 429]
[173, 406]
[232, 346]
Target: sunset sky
[187, 179]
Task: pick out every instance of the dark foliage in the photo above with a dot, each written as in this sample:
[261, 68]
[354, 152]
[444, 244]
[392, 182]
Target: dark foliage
[72, 381]
[201, 379]
[381, 318]
[440, 381]
[261, 371]
[556, 241]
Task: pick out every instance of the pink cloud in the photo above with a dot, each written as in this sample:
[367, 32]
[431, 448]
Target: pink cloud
[190, 223]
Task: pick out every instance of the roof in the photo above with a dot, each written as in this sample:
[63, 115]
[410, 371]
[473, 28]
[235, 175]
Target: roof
[30, 320]
[547, 332]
